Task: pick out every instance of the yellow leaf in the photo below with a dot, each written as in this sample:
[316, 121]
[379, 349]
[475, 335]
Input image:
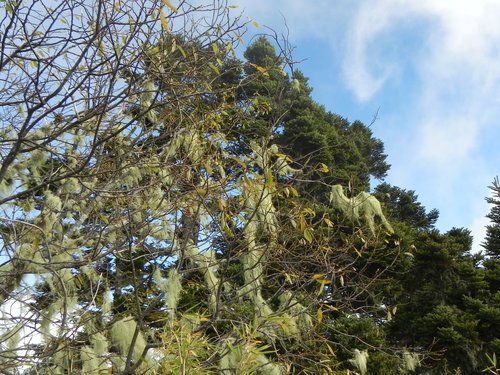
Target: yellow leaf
[260, 69]
[215, 48]
[321, 288]
[330, 350]
[79, 281]
[319, 315]
[324, 281]
[409, 254]
[164, 22]
[323, 168]
[309, 211]
[331, 308]
[225, 226]
[238, 36]
[169, 4]
[317, 276]
[302, 222]
[241, 163]
[222, 204]
[269, 179]
[214, 68]
[256, 24]
[294, 192]
[208, 168]
[328, 222]
[183, 53]
[326, 248]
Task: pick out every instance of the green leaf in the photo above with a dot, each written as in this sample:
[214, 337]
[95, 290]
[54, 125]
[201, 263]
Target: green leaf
[214, 68]
[319, 315]
[269, 179]
[308, 235]
[183, 53]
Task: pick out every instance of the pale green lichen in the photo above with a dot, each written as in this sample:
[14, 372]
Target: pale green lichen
[173, 290]
[94, 361]
[362, 207]
[71, 186]
[360, 360]
[260, 213]
[411, 360]
[131, 177]
[107, 302]
[99, 343]
[90, 361]
[243, 359]
[122, 333]
[171, 286]
[300, 321]
[90, 273]
[52, 202]
[208, 267]
[52, 314]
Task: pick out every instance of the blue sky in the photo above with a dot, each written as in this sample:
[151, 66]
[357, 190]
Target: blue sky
[431, 69]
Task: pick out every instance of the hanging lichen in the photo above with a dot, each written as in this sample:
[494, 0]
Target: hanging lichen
[173, 290]
[362, 207]
[360, 360]
[299, 321]
[171, 286]
[122, 334]
[411, 360]
[93, 358]
[262, 223]
[244, 358]
[56, 314]
[107, 302]
[208, 267]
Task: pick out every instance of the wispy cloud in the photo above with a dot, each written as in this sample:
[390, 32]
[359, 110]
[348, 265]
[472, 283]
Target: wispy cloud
[450, 51]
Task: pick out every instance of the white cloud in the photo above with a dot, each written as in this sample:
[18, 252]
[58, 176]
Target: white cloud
[451, 52]
[478, 231]
[445, 142]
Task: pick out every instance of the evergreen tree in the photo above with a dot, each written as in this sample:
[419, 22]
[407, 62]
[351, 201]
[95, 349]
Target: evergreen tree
[492, 241]
[403, 206]
[489, 308]
[434, 309]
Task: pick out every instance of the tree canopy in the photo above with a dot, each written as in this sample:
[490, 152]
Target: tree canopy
[171, 208]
